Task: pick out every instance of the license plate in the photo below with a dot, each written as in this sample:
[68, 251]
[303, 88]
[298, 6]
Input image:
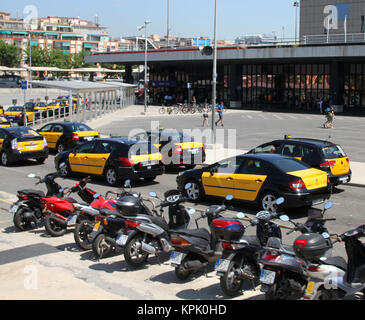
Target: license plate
[89, 138]
[31, 147]
[222, 265]
[193, 151]
[343, 179]
[13, 209]
[310, 287]
[176, 257]
[71, 220]
[96, 226]
[317, 202]
[122, 239]
[267, 276]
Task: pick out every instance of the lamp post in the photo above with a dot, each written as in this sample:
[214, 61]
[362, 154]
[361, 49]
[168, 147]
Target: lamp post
[296, 5]
[145, 63]
[168, 23]
[214, 82]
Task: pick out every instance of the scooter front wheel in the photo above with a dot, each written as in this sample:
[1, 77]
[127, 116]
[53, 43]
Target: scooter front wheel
[54, 227]
[82, 233]
[324, 294]
[133, 254]
[101, 247]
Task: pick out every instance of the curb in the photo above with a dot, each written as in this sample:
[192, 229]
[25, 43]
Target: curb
[358, 185]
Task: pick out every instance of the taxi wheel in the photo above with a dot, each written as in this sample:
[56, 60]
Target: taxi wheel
[4, 159]
[64, 170]
[41, 160]
[194, 192]
[60, 148]
[268, 201]
[111, 176]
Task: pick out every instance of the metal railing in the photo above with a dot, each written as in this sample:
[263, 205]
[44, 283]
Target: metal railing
[334, 38]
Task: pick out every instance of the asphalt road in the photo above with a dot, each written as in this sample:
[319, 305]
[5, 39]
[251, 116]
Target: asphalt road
[66, 270]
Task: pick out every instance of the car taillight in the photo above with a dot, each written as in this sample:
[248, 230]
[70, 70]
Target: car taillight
[178, 149]
[270, 257]
[177, 240]
[14, 145]
[297, 185]
[227, 245]
[75, 137]
[22, 197]
[300, 243]
[348, 160]
[127, 162]
[328, 164]
[132, 224]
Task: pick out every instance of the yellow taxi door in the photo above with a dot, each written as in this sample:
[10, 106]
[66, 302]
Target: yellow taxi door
[249, 179]
[98, 159]
[220, 180]
[2, 138]
[81, 159]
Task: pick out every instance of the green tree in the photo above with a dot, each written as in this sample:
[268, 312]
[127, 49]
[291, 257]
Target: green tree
[9, 55]
[78, 60]
[39, 56]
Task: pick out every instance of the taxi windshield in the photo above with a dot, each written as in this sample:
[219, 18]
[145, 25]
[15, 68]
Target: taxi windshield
[80, 127]
[333, 152]
[15, 109]
[290, 165]
[21, 132]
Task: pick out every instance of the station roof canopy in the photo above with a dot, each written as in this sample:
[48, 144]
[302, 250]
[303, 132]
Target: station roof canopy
[3, 68]
[81, 86]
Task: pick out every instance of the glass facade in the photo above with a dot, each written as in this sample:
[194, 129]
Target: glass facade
[292, 86]
[289, 86]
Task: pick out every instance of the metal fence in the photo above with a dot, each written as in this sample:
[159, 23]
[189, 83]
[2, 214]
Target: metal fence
[87, 107]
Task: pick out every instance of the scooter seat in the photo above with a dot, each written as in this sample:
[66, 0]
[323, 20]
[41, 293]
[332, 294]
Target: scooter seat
[337, 262]
[38, 193]
[253, 240]
[198, 233]
[160, 222]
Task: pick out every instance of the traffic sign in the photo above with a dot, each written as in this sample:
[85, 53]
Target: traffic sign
[24, 84]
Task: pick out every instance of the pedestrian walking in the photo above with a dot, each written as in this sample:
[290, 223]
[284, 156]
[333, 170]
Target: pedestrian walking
[220, 109]
[330, 115]
[205, 115]
[320, 104]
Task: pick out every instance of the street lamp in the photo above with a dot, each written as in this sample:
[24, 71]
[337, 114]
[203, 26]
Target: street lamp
[168, 23]
[296, 5]
[145, 62]
[214, 83]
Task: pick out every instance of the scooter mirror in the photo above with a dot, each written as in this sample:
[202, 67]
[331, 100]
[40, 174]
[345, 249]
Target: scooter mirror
[127, 183]
[62, 164]
[191, 211]
[328, 205]
[240, 215]
[325, 235]
[280, 200]
[187, 186]
[61, 190]
[31, 175]
[284, 218]
[229, 197]
[153, 194]
[96, 195]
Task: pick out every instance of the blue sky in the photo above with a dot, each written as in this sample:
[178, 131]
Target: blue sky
[187, 17]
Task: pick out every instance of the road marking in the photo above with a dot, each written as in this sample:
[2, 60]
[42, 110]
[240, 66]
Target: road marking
[7, 197]
[276, 116]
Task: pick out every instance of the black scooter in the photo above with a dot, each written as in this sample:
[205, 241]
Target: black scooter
[239, 263]
[28, 210]
[195, 249]
[283, 276]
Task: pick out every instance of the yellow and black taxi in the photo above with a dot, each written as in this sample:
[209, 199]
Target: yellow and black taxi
[116, 159]
[39, 108]
[15, 114]
[20, 143]
[4, 122]
[320, 154]
[62, 136]
[259, 179]
[177, 148]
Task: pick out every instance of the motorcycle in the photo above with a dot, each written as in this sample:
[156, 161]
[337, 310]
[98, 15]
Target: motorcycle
[28, 210]
[61, 213]
[333, 278]
[195, 249]
[239, 261]
[283, 276]
[110, 230]
[149, 234]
